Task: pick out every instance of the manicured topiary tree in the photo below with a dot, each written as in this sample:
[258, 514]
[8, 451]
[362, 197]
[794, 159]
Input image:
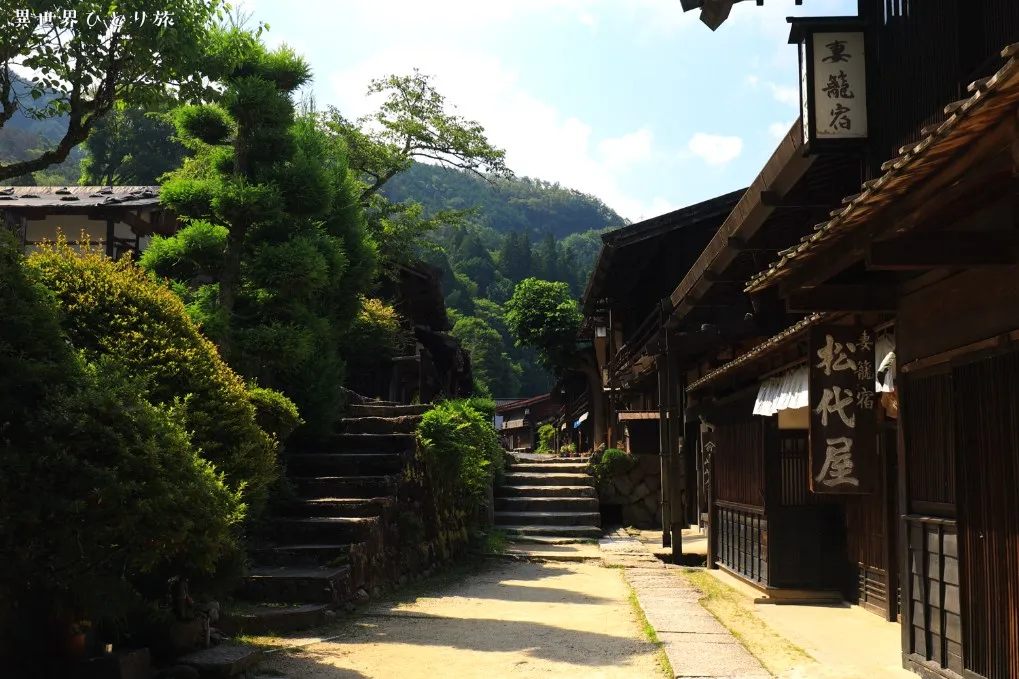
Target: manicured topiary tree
[274, 257]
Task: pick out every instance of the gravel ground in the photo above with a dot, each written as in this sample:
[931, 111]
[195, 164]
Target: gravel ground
[516, 619]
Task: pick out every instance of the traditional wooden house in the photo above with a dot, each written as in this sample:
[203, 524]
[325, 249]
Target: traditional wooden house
[933, 243]
[521, 419]
[434, 364]
[123, 218]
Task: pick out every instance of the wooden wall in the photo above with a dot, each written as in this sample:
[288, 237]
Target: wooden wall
[742, 533]
[961, 456]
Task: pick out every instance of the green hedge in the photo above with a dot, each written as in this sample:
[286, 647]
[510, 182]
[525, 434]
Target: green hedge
[458, 438]
[115, 309]
[102, 492]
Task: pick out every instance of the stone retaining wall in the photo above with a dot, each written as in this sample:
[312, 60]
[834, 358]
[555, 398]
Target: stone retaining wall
[638, 491]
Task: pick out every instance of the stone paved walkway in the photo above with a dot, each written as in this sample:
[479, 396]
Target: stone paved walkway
[695, 642]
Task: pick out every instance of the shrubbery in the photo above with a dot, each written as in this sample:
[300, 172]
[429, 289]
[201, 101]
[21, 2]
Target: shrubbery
[459, 440]
[612, 461]
[546, 438]
[102, 492]
[115, 309]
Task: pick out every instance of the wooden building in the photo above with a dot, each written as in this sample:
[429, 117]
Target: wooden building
[771, 524]
[433, 365]
[521, 419]
[123, 218]
[934, 244]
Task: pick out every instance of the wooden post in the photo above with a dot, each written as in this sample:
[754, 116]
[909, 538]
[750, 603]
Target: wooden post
[905, 574]
[677, 448]
[111, 231]
[708, 449]
[663, 449]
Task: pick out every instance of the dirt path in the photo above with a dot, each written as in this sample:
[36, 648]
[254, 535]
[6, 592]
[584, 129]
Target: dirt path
[515, 619]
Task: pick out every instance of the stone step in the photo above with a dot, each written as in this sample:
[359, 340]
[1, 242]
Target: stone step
[344, 464]
[548, 479]
[330, 506]
[311, 487]
[546, 491]
[582, 519]
[306, 555]
[538, 458]
[546, 504]
[550, 540]
[591, 532]
[324, 529]
[543, 467]
[371, 443]
[401, 424]
[266, 619]
[290, 585]
[386, 410]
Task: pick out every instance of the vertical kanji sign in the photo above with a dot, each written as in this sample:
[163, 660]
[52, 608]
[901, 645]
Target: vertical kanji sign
[843, 419]
[840, 85]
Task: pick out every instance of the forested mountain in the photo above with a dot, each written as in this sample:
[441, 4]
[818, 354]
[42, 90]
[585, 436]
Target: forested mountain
[519, 228]
[23, 137]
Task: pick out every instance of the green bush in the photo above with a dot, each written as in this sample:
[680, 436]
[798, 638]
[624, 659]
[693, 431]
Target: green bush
[568, 448]
[115, 309]
[463, 447]
[483, 405]
[546, 438]
[613, 461]
[101, 492]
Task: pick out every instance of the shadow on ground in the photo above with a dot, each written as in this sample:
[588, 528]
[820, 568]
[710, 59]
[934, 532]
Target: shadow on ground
[503, 618]
[532, 639]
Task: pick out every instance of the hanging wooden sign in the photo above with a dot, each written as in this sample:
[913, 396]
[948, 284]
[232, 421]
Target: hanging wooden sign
[843, 419]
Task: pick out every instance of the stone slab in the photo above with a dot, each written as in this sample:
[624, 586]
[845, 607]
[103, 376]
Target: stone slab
[694, 658]
[665, 618]
[227, 660]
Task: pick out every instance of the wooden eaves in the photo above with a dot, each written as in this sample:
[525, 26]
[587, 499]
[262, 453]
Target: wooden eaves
[972, 127]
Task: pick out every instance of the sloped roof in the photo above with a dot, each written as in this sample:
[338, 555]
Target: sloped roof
[78, 197]
[967, 120]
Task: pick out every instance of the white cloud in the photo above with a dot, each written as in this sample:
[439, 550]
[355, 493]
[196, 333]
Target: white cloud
[589, 19]
[785, 94]
[753, 81]
[779, 130]
[623, 152]
[539, 140]
[715, 149]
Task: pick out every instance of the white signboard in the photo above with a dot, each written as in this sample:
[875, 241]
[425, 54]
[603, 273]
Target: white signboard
[840, 86]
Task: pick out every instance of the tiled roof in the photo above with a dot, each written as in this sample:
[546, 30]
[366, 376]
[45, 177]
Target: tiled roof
[967, 120]
[77, 197]
[761, 349]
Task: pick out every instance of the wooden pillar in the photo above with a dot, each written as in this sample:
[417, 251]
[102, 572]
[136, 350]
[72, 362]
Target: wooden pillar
[708, 447]
[661, 365]
[903, 545]
[111, 231]
[677, 448]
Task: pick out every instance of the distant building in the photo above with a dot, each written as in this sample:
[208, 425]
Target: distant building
[518, 421]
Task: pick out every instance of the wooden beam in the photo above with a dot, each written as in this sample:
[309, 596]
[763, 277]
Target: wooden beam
[850, 298]
[946, 249]
[137, 223]
[972, 164]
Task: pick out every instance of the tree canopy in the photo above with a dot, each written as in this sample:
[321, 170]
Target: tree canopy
[544, 316]
[83, 61]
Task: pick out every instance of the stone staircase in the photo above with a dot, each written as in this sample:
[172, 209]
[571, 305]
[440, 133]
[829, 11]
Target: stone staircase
[552, 501]
[328, 545]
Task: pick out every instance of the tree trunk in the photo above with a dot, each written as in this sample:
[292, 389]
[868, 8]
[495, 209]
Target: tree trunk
[228, 283]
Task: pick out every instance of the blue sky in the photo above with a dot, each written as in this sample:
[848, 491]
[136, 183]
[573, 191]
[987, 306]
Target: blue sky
[633, 101]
